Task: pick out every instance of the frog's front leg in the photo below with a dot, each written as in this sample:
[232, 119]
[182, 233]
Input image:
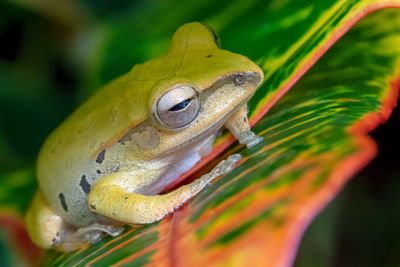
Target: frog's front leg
[110, 196]
[239, 126]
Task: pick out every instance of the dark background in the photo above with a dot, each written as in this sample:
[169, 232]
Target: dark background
[40, 83]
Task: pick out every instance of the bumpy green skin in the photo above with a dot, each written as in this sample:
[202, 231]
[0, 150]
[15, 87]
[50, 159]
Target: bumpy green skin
[83, 148]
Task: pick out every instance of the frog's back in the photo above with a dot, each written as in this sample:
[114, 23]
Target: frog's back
[65, 162]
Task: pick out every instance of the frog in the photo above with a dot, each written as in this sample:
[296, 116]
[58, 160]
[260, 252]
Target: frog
[107, 164]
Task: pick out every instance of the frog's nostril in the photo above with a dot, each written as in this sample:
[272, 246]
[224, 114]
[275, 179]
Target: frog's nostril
[239, 79]
[251, 77]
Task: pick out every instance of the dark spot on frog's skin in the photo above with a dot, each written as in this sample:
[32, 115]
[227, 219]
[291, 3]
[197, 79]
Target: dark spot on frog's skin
[98, 171]
[126, 198]
[84, 184]
[100, 156]
[92, 206]
[63, 203]
[244, 119]
[209, 55]
[54, 241]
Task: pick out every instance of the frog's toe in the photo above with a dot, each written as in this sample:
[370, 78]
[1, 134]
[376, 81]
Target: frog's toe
[94, 238]
[249, 138]
[223, 167]
[116, 231]
[95, 232]
[230, 163]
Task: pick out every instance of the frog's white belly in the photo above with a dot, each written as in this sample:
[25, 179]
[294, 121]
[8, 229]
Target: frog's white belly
[181, 165]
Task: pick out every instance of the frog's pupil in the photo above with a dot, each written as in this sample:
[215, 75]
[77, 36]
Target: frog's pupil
[181, 105]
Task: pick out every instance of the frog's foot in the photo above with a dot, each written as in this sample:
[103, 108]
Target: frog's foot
[239, 126]
[92, 234]
[249, 138]
[222, 168]
[95, 232]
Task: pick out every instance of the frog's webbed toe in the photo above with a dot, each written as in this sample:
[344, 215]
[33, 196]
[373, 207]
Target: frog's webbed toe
[249, 138]
[73, 239]
[222, 168]
[95, 232]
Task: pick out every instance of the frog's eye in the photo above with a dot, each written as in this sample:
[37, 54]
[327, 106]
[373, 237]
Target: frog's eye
[178, 107]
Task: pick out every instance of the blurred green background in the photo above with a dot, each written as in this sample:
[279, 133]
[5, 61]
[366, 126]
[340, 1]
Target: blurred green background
[49, 63]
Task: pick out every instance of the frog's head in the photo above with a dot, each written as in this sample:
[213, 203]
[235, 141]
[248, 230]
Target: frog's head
[194, 71]
[197, 85]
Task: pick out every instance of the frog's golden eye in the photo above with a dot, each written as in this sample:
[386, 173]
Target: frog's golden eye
[178, 107]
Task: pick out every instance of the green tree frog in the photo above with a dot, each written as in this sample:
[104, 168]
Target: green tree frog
[107, 163]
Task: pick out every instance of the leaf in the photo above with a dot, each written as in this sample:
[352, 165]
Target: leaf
[314, 141]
